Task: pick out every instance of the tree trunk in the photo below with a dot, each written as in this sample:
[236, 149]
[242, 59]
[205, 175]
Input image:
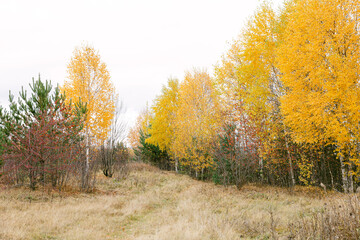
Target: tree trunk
[85, 177]
[350, 178]
[176, 165]
[87, 152]
[290, 160]
[351, 187]
[261, 163]
[331, 175]
[344, 174]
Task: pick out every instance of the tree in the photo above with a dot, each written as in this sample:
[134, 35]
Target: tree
[141, 125]
[40, 136]
[162, 123]
[89, 80]
[113, 151]
[151, 153]
[197, 121]
[319, 59]
[249, 83]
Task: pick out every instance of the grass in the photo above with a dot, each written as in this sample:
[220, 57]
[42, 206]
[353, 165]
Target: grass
[153, 204]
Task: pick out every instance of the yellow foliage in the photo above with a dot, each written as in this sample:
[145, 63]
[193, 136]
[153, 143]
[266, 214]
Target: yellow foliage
[227, 84]
[249, 76]
[89, 80]
[197, 120]
[306, 171]
[141, 124]
[319, 59]
[164, 115]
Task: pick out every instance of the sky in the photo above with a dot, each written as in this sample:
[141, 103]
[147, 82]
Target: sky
[142, 42]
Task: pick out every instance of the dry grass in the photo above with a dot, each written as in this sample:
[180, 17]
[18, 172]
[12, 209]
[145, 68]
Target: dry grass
[338, 220]
[152, 204]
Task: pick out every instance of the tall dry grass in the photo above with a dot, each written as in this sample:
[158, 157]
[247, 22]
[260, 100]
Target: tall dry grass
[153, 204]
[338, 219]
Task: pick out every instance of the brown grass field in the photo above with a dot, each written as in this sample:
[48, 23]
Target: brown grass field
[153, 204]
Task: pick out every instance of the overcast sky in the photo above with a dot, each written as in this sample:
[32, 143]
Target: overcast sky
[143, 42]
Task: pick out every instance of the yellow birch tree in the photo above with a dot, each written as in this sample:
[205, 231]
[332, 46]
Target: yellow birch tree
[141, 124]
[89, 80]
[197, 121]
[162, 124]
[319, 59]
[250, 67]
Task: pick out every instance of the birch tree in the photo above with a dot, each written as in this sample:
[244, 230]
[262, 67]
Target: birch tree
[197, 121]
[162, 130]
[89, 80]
[319, 59]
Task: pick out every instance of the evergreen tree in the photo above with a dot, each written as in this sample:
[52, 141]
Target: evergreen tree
[152, 153]
[39, 135]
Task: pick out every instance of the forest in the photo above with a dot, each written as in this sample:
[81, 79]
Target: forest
[282, 107]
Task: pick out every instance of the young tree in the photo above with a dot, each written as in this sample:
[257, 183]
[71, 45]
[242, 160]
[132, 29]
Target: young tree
[141, 125]
[151, 153]
[89, 80]
[40, 134]
[162, 124]
[112, 148]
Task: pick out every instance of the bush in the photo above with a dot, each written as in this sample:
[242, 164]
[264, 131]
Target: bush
[113, 158]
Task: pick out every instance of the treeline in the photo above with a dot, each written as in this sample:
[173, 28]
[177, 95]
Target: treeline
[283, 107]
[55, 136]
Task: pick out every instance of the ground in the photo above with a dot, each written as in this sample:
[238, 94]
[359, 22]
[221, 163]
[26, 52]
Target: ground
[154, 204]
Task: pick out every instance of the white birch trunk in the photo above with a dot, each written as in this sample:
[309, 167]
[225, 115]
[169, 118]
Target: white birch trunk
[350, 179]
[261, 163]
[87, 159]
[344, 175]
[176, 164]
[290, 161]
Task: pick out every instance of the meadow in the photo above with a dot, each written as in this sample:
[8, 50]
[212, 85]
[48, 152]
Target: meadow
[154, 204]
